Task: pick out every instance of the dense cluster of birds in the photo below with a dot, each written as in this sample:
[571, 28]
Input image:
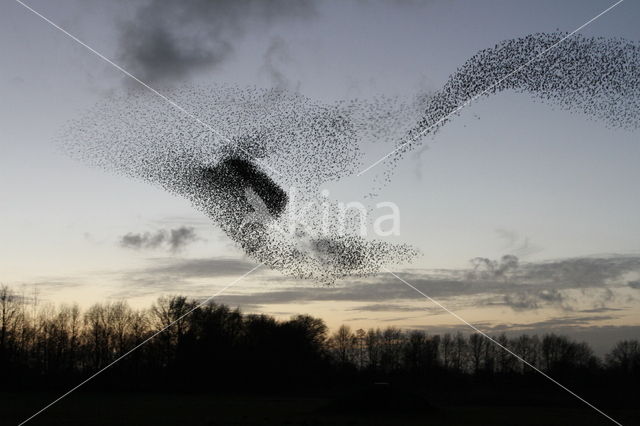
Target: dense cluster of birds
[254, 160]
[261, 186]
[598, 77]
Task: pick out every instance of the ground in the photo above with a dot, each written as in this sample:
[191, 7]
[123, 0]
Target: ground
[159, 409]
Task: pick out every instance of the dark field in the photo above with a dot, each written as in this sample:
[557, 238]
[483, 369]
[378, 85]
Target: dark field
[218, 366]
[87, 408]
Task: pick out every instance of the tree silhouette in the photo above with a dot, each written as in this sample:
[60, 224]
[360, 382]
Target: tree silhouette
[46, 346]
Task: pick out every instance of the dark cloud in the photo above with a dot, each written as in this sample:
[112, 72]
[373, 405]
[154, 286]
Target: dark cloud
[531, 299]
[522, 291]
[601, 310]
[172, 275]
[198, 268]
[355, 292]
[545, 326]
[138, 241]
[166, 40]
[172, 239]
[57, 283]
[396, 319]
[528, 286]
[581, 272]
[180, 237]
[487, 268]
[388, 307]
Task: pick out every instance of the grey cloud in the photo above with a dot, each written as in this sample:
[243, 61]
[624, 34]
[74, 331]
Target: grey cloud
[634, 284]
[199, 268]
[353, 292]
[546, 326]
[384, 292]
[580, 272]
[527, 286]
[57, 283]
[138, 241]
[486, 268]
[531, 299]
[535, 285]
[172, 275]
[571, 320]
[585, 272]
[172, 239]
[180, 237]
[166, 40]
[396, 319]
[387, 307]
[600, 310]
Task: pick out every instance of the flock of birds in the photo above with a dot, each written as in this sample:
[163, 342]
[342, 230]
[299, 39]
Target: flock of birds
[272, 150]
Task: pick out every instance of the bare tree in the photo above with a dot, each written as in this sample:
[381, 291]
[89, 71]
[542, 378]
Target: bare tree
[372, 342]
[9, 320]
[392, 343]
[447, 348]
[625, 357]
[459, 354]
[343, 342]
[476, 349]
[361, 347]
[414, 351]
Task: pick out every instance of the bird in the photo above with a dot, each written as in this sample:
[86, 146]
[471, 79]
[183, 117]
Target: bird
[263, 155]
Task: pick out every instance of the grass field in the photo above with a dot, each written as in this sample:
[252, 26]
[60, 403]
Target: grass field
[87, 408]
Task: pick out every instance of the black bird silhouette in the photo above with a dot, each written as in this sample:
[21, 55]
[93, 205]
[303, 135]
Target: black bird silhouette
[284, 144]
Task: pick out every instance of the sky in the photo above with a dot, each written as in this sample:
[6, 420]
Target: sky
[509, 176]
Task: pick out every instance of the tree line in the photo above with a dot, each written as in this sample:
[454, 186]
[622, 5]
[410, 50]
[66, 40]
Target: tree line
[49, 346]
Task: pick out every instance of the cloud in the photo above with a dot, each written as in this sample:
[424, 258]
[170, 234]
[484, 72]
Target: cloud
[180, 237]
[163, 41]
[167, 40]
[486, 268]
[527, 286]
[530, 286]
[172, 239]
[634, 284]
[526, 300]
[353, 292]
[198, 268]
[601, 310]
[545, 326]
[388, 307]
[569, 285]
[581, 272]
[174, 275]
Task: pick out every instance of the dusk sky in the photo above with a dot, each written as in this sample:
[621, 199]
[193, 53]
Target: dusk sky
[509, 176]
